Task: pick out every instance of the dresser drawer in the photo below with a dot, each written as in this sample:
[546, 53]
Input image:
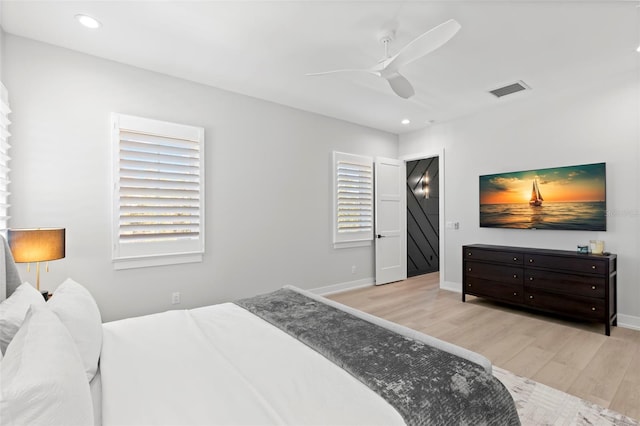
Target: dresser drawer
[490, 272]
[571, 264]
[472, 253]
[581, 285]
[582, 307]
[495, 290]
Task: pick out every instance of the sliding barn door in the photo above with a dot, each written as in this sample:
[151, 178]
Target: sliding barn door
[423, 216]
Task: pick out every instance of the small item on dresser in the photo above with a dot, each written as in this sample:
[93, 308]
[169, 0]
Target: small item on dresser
[597, 246]
[583, 249]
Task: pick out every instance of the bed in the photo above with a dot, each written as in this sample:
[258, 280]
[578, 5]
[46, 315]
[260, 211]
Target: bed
[286, 357]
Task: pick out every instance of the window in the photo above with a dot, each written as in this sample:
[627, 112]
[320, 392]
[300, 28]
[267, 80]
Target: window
[4, 157]
[353, 200]
[158, 202]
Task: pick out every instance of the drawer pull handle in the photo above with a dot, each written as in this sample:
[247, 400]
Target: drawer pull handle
[530, 297]
[530, 278]
[593, 308]
[593, 266]
[468, 285]
[593, 287]
[515, 294]
[469, 253]
[530, 260]
[469, 269]
[515, 259]
[515, 276]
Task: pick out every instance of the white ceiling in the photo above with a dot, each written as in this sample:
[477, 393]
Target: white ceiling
[264, 48]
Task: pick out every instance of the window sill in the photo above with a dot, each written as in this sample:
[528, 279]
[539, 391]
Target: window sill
[351, 244]
[150, 261]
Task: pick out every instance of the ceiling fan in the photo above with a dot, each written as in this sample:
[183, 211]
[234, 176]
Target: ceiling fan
[389, 67]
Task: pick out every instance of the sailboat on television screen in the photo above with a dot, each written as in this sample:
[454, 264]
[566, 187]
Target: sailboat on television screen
[536, 198]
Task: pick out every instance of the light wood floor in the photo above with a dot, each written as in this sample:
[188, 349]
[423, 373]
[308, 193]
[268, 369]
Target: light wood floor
[574, 357]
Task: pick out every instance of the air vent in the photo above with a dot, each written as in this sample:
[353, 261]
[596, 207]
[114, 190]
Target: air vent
[518, 86]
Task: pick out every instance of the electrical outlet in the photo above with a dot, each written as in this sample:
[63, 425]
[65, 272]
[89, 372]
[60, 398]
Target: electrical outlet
[353, 269]
[175, 298]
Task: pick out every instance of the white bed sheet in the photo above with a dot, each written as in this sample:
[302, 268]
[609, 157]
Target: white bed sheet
[223, 365]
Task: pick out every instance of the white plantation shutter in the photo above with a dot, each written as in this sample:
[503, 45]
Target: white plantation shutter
[159, 192]
[353, 202]
[4, 157]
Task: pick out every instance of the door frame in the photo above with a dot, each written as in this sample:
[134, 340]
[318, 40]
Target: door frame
[441, 222]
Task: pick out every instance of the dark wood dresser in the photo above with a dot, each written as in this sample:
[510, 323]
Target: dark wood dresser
[581, 286]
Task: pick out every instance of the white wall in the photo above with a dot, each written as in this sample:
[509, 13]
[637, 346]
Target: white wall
[1, 45]
[599, 123]
[268, 181]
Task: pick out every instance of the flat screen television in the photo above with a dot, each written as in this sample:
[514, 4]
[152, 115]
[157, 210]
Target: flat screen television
[568, 198]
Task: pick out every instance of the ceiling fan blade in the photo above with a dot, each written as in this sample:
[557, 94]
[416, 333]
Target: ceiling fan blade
[424, 44]
[401, 85]
[344, 70]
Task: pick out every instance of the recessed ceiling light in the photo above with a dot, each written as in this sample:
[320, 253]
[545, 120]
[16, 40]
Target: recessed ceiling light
[88, 21]
[405, 121]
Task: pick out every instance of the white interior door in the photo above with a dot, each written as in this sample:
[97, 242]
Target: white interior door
[390, 220]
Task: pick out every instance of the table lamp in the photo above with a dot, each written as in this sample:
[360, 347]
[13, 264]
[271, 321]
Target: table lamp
[36, 245]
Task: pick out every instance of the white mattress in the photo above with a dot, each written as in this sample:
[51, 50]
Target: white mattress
[222, 365]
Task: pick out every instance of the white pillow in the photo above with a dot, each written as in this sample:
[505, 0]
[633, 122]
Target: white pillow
[13, 311]
[79, 312]
[43, 379]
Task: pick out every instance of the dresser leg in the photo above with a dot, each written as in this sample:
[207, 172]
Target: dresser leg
[607, 329]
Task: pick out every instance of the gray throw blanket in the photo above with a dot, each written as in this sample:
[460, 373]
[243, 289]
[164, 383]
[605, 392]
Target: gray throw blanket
[427, 386]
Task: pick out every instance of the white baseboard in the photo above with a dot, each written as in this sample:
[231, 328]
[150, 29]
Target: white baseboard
[629, 321]
[451, 286]
[340, 287]
[366, 282]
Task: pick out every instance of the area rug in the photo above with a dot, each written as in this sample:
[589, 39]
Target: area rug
[538, 405]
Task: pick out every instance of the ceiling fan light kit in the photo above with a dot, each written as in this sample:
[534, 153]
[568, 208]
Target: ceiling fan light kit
[389, 67]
